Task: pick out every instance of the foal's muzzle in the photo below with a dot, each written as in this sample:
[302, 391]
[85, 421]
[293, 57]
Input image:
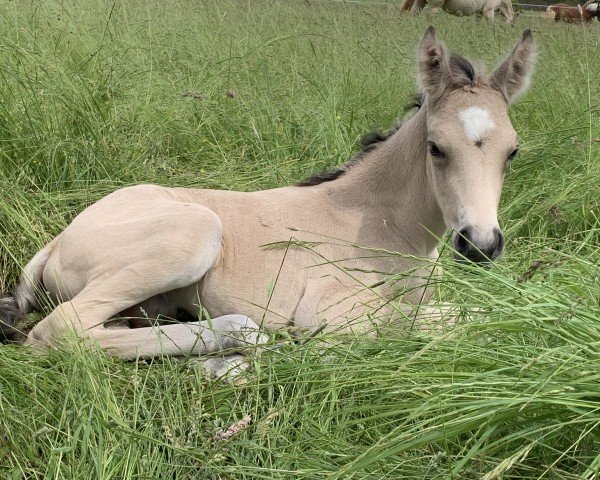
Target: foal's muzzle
[469, 248]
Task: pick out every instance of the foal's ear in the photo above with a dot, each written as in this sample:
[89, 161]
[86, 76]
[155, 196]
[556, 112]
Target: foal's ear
[432, 63]
[513, 75]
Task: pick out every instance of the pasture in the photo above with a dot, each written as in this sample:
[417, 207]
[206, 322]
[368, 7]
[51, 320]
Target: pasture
[252, 95]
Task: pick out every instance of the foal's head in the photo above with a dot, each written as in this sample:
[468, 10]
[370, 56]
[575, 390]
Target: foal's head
[471, 139]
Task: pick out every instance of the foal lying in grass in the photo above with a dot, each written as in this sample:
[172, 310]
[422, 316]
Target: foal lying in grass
[149, 251]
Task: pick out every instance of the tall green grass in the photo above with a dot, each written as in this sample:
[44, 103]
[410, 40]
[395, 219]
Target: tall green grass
[96, 95]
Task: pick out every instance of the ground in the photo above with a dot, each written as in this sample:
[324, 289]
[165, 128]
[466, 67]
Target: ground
[250, 95]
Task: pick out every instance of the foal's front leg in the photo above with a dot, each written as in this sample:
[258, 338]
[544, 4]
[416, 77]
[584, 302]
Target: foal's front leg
[226, 367]
[222, 334]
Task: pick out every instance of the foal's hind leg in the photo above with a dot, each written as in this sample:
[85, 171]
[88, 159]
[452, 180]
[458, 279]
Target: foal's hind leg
[185, 244]
[87, 317]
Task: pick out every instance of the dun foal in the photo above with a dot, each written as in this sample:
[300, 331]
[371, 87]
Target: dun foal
[150, 251]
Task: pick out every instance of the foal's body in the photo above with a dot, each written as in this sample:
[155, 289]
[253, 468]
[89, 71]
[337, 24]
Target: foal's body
[208, 248]
[225, 234]
[148, 251]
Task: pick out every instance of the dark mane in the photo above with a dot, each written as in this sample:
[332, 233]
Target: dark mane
[463, 74]
[461, 67]
[368, 143]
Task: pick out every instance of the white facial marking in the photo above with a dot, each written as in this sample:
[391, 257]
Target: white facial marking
[477, 123]
[593, 7]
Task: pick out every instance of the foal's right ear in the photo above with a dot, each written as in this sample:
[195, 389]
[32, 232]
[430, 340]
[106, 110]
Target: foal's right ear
[432, 63]
[513, 75]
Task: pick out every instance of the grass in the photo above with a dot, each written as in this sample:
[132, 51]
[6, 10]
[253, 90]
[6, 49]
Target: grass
[92, 98]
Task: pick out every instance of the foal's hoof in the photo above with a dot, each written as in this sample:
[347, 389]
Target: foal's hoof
[230, 368]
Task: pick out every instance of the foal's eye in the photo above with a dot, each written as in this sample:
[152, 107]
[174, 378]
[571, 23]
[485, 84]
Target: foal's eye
[513, 154]
[435, 151]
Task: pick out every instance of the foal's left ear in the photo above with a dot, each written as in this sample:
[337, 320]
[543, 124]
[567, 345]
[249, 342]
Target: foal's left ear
[513, 75]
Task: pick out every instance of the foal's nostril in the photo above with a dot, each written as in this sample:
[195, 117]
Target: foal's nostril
[481, 252]
[462, 241]
[499, 243]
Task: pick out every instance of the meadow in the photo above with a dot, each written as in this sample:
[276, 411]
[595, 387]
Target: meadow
[227, 94]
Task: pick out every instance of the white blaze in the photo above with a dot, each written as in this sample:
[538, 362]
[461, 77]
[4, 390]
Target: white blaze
[593, 7]
[477, 123]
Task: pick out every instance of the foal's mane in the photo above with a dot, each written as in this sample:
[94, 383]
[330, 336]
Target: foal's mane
[462, 74]
[368, 143]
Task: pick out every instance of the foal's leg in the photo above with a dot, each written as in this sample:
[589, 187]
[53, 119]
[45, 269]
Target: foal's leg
[228, 367]
[226, 333]
[221, 334]
[179, 255]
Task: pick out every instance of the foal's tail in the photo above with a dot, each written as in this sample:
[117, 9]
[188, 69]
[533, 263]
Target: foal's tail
[14, 307]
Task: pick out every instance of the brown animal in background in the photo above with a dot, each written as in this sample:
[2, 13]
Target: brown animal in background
[572, 14]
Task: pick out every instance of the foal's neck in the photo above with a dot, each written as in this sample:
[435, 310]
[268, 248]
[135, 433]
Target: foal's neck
[390, 186]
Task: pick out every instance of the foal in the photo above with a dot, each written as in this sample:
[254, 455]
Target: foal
[154, 250]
